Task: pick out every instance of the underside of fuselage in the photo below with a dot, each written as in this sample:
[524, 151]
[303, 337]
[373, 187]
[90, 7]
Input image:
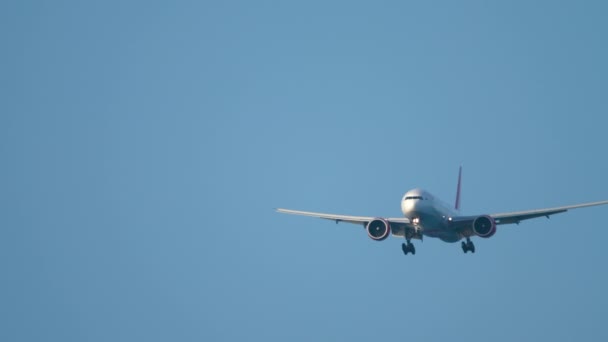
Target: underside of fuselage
[442, 234]
[431, 226]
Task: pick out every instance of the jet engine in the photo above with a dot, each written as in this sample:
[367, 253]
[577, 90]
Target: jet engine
[378, 229]
[484, 226]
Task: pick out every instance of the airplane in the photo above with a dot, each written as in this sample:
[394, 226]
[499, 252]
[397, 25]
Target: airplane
[424, 215]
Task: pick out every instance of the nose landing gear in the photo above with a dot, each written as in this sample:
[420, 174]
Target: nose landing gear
[468, 246]
[408, 248]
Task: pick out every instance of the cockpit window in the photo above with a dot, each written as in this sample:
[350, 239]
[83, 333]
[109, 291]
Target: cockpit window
[414, 197]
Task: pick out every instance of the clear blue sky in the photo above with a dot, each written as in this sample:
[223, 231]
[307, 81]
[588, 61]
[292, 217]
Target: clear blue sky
[145, 144]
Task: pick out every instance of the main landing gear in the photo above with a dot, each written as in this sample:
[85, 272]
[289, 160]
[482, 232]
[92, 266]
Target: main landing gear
[408, 248]
[468, 246]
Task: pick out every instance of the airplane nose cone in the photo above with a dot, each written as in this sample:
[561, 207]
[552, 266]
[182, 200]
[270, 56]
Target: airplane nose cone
[407, 206]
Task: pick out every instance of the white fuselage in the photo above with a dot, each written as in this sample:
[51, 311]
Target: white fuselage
[429, 215]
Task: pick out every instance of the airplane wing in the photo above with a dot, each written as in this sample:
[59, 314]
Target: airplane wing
[465, 222]
[518, 216]
[398, 224]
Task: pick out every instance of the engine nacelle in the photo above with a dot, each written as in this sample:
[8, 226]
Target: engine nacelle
[484, 226]
[378, 229]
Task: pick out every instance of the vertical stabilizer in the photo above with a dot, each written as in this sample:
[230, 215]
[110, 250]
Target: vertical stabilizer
[457, 205]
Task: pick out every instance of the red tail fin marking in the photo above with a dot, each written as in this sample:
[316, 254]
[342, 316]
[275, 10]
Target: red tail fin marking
[457, 205]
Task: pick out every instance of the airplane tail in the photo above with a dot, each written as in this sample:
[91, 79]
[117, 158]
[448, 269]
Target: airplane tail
[457, 204]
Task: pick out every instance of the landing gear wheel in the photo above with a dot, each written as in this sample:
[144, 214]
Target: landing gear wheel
[408, 248]
[468, 246]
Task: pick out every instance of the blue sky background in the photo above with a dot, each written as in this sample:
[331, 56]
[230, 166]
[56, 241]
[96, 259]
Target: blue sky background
[145, 144]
